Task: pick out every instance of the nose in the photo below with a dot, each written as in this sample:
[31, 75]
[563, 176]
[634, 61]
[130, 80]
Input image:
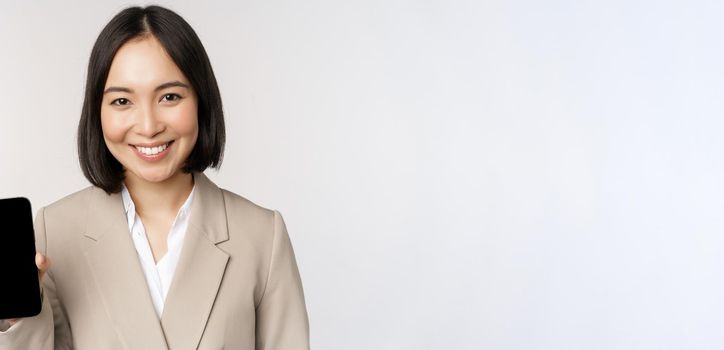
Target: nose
[148, 124]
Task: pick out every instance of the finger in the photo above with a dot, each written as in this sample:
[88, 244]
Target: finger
[43, 263]
[12, 321]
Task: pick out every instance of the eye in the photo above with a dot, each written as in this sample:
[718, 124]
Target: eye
[120, 102]
[171, 97]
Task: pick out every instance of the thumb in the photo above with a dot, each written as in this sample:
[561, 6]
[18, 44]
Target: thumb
[42, 262]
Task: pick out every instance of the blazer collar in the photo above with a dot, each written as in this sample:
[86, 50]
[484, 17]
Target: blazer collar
[112, 258]
[208, 205]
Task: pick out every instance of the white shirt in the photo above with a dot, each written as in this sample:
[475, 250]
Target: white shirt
[158, 276]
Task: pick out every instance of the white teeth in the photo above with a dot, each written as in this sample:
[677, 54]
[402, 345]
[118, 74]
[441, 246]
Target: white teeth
[150, 151]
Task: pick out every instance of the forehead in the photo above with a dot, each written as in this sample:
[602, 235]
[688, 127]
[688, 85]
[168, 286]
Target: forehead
[143, 63]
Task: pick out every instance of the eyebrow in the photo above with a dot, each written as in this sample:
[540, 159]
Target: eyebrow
[167, 85]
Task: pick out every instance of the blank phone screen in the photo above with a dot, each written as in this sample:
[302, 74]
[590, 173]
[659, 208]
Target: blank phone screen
[19, 286]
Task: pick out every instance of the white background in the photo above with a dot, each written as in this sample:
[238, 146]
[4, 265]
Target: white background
[454, 175]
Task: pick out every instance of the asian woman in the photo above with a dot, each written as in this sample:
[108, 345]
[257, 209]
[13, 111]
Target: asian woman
[154, 255]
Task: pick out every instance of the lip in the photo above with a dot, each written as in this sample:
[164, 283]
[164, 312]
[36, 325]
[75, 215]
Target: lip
[154, 144]
[155, 157]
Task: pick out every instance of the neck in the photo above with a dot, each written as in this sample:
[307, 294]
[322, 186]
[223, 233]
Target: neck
[159, 198]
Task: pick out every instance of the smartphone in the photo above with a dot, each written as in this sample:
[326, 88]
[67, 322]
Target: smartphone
[19, 285]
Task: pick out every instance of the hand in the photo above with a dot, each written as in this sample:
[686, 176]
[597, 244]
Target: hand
[43, 263]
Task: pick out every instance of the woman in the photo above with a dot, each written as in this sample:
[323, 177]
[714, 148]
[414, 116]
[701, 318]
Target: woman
[154, 255]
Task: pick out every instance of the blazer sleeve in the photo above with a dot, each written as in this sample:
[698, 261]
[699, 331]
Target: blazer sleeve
[48, 330]
[281, 315]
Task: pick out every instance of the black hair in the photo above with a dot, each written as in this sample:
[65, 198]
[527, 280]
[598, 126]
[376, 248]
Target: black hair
[185, 49]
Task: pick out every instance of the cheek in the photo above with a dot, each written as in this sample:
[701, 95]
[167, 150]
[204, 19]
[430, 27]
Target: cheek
[186, 121]
[114, 129]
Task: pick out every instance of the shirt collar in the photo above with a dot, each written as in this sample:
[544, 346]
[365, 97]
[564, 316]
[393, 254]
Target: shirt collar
[130, 207]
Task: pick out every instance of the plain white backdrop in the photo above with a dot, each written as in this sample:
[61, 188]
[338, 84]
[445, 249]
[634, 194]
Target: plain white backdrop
[454, 174]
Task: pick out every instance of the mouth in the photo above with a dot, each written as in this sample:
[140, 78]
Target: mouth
[151, 152]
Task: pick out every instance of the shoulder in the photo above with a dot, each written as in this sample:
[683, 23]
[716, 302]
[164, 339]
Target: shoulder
[57, 223]
[250, 224]
[71, 205]
[239, 207]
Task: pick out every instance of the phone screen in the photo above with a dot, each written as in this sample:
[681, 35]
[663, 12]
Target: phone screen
[19, 286]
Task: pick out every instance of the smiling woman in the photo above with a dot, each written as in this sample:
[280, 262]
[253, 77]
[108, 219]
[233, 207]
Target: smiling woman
[148, 112]
[148, 70]
[153, 254]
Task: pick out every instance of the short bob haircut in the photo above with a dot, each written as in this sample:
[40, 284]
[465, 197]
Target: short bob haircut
[183, 45]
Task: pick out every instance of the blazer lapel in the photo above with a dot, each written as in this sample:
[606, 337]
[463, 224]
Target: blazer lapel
[114, 264]
[200, 268]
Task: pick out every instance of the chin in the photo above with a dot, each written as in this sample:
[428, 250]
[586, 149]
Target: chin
[153, 175]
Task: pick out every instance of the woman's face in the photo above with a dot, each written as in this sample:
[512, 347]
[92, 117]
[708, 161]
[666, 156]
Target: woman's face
[149, 111]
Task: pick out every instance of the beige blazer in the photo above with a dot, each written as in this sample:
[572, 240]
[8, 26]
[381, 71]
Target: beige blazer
[236, 285]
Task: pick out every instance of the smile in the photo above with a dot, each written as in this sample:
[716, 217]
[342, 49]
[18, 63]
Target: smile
[153, 153]
[149, 151]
